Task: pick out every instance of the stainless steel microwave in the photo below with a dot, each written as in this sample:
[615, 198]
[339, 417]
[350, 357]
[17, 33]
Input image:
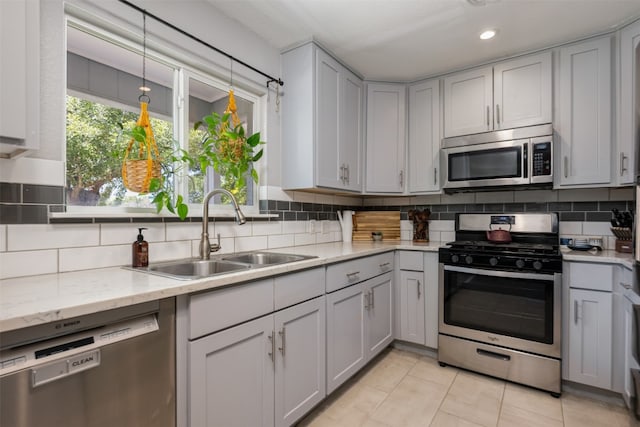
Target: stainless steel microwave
[470, 163]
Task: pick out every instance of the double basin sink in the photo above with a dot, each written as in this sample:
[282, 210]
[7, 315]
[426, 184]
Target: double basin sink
[196, 269]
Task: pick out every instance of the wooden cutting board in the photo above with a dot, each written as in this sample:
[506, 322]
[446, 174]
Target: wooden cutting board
[388, 222]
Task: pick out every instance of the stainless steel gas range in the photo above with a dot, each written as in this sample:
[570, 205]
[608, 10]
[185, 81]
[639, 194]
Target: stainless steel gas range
[499, 302]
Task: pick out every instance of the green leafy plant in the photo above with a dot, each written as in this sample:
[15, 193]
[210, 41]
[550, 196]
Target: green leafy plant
[224, 147]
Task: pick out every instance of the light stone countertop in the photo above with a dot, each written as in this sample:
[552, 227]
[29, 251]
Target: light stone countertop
[27, 301]
[32, 300]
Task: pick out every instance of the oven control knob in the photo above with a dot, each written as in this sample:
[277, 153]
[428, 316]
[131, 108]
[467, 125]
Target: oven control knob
[455, 258]
[537, 265]
[493, 261]
[520, 263]
[468, 259]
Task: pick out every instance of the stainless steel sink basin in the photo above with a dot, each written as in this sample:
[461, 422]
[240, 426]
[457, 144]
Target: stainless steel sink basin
[265, 258]
[195, 269]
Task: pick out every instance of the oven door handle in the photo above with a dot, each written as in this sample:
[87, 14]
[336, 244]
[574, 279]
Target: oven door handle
[513, 274]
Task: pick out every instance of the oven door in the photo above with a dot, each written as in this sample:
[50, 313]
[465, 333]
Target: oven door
[504, 308]
[489, 164]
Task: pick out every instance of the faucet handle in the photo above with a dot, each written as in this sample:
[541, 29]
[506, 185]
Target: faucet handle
[216, 246]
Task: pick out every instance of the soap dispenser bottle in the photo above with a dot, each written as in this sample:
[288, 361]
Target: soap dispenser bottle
[140, 251]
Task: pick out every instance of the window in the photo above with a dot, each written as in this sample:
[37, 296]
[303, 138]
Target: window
[103, 77]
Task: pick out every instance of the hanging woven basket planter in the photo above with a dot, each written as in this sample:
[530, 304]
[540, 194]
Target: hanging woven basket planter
[142, 160]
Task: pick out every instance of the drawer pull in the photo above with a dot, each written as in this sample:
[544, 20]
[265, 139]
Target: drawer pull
[352, 275]
[499, 356]
[419, 293]
[273, 347]
[384, 265]
[575, 311]
[283, 337]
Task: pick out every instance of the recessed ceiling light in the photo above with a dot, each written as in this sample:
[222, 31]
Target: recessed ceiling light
[489, 34]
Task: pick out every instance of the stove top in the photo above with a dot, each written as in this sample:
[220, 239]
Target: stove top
[506, 248]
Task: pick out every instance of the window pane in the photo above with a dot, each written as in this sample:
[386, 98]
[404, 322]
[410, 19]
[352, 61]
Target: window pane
[205, 99]
[103, 81]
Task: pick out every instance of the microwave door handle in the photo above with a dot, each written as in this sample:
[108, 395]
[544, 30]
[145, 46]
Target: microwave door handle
[525, 160]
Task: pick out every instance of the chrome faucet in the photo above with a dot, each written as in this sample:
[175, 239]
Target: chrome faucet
[205, 246]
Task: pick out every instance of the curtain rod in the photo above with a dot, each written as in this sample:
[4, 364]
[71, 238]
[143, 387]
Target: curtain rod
[191, 36]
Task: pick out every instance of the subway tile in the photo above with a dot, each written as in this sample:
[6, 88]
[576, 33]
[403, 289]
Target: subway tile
[626, 193]
[3, 238]
[570, 227]
[583, 195]
[296, 206]
[227, 243]
[280, 241]
[585, 206]
[621, 205]
[559, 206]
[57, 208]
[282, 205]
[304, 239]
[535, 196]
[431, 199]
[456, 208]
[42, 194]
[439, 208]
[23, 214]
[442, 225]
[447, 236]
[474, 207]
[324, 237]
[74, 259]
[298, 216]
[263, 205]
[279, 217]
[458, 198]
[599, 217]
[267, 228]
[77, 220]
[272, 205]
[51, 236]
[435, 235]
[184, 231]
[166, 251]
[495, 197]
[596, 228]
[28, 263]
[447, 216]
[151, 219]
[514, 207]
[230, 229]
[536, 207]
[106, 220]
[494, 207]
[406, 234]
[252, 243]
[572, 216]
[10, 192]
[119, 234]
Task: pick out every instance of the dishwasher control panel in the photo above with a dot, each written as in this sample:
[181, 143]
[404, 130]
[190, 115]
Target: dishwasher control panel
[61, 356]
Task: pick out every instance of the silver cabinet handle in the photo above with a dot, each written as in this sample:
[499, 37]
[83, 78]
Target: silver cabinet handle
[566, 167]
[575, 311]
[498, 113]
[283, 338]
[348, 175]
[352, 275]
[384, 265]
[626, 285]
[419, 292]
[272, 353]
[367, 301]
[488, 124]
[622, 168]
[342, 173]
[401, 178]
[435, 175]
[373, 299]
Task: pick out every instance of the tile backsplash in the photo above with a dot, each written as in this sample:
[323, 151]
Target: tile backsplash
[34, 247]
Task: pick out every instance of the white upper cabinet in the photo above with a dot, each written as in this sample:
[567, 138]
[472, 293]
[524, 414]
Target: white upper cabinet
[19, 77]
[522, 92]
[510, 94]
[629, 100]
[385, 138]
[322, 122]
[423, 159]
[468, 98]
[583, 131]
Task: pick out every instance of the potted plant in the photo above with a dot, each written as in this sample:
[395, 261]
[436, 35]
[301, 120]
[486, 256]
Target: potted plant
[226, 147]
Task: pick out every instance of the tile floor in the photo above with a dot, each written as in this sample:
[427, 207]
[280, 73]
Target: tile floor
[401, 388]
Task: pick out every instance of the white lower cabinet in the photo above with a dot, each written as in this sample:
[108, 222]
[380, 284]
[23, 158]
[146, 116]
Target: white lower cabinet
[412, 307]
[359, 325]
[271, 368]
[590, 345]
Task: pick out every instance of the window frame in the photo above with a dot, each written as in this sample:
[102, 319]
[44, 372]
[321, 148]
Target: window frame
[211, 74]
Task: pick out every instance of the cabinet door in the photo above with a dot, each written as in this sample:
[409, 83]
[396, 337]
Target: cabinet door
[522, 92]
[412, 306]
[629, 103]
[423, 158]
[345, 335]
[627, 323]
[379, 315]
[231, 376]
[327, 120]
[468, 98]
[590, 337]
[584, 128]
[351, 140]
[385, 138]
[300, 360]
[431, 299]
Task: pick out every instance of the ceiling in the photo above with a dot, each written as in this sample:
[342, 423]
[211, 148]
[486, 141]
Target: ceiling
[406, 40]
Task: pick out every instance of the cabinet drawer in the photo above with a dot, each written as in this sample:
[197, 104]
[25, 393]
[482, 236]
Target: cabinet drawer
[598, 277]
[219, 309]
[297, 287]
[357, 270]
[411, 260]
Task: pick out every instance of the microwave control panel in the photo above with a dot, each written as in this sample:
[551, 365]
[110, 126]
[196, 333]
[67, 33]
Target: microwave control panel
[542, 159]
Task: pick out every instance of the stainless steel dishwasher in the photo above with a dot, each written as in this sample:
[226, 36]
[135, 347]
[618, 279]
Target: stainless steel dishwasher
[111, 368]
